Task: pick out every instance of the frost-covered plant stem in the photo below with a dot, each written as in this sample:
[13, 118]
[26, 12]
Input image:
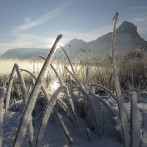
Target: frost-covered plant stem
[63, 126]
[30, 86]
[105, 103]
[22, 86]
[46, 115]
[42, 87]
[134, 125]
[86, 95]
[31, 132]
[70, 101]
[32, 99]
[106, 90]
[9, 89]
[56, 73]
[122, 111]
[68, 59]
[2, 94]
[87, 75]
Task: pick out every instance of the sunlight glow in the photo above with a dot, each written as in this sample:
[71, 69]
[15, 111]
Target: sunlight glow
[54, 85]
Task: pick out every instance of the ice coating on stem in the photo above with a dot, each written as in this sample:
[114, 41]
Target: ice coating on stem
[63, 126]
[42, 87]
[123, 118]
[2, 94]
[47, 113]
[32, 99]
[22, 84]
[135, 126]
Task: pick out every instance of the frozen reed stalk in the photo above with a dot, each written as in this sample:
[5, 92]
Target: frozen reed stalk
[31, 132]
[30, 86]
[65, 89]
[87, 75]
[22, 84]
[2, 94]
[27, 114]
[46, 115]
[63, 126]
[56, 73]
[81, 87]
[15, 106]
[9, 89]
[68, 59]
[121, 107]
[115, 70]
[34, 77]
[106, 90]
[135, 126]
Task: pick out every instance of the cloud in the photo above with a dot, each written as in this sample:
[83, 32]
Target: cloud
[48, 16]
[31, 40]
[27, 19]
[28, 41]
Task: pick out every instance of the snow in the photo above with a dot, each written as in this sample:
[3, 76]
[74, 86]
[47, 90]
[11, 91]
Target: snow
[54, 135]
[76, 116]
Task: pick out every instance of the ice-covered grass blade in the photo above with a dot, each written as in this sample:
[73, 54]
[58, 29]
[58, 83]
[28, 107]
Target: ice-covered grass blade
[46, 115]
[2, 94]
[32, 99]
[134, 125]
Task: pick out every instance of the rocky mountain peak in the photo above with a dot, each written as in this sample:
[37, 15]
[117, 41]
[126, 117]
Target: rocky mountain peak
[127, 27]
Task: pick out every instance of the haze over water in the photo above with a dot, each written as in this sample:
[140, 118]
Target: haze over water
[7, 65]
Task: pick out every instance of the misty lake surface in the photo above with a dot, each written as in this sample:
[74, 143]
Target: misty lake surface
[6, 66]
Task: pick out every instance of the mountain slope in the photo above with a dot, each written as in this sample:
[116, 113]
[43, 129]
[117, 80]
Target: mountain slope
[24, 53]
[126, 37]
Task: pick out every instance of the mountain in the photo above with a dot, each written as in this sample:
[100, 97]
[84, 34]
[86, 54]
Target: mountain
[24, 53]
[126, 37]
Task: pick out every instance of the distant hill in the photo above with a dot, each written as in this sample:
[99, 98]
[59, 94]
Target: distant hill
[126, 37]
[24, 53]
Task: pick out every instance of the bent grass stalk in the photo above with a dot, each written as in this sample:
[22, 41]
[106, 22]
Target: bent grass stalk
[46, 115]
[42, 87]
[9, 89]
[22, 86]
[106, 90]
[63, 126]
[86, 95]
[68, 59]
[2, 94]
[32, 99]
[66, 92]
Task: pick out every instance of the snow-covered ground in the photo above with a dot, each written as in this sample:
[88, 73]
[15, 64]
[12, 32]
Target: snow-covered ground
[54, 135]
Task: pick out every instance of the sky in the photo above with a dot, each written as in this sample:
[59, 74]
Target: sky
[36, 23]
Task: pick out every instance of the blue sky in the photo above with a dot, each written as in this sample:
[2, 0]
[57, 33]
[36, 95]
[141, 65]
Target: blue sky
[36, 23]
